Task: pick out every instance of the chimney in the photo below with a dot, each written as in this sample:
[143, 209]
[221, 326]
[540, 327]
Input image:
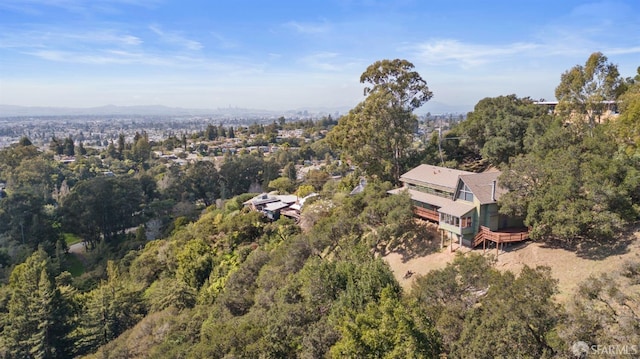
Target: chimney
[493, 190]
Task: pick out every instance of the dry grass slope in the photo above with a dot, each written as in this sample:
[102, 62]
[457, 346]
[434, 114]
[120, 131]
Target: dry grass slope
[570, 265]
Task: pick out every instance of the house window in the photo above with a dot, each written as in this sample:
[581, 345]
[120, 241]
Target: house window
[434, 191]
[466, 222]
[465, 193]
[451, 220]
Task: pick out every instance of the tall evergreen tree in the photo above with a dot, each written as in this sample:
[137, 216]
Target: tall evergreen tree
[109, 310]
[37, 324]
[69, 148]
[121, 145]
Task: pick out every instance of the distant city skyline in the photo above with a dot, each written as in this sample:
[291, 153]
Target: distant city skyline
[284, 55]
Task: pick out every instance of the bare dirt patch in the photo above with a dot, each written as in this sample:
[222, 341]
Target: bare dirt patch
[79, 250]
[570, 265]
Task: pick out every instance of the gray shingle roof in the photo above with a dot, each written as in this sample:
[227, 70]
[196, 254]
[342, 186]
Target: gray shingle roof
[457, 209]
[274, 206]
[481, 184]
[434, 175]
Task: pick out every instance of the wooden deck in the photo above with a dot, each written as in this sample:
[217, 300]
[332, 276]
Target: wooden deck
[428, 214]
[295, 215]
[499, 237]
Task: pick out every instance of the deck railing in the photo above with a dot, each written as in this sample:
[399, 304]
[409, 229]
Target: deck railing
[429, 214]
[485, 234]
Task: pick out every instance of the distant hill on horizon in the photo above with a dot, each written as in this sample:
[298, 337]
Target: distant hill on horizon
[111, 110]
[160, 110]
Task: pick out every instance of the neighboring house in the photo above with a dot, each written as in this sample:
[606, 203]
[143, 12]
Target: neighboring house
[67, 159]
[274, 205]
[609, 109]
[464, 204]
[359, 188]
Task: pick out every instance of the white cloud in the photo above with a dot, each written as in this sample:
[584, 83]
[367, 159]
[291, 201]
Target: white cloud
[109, 57]
[322, 61]
[176, 39]
[37, 7]
[130, 40]
[223, 41]
[622, 51]
[333, 62]
[466, 55]
[308, 28]
[50, 55]
[604, 26]
[66, 38]
[102, 37]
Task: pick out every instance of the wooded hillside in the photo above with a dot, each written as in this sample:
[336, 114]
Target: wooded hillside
[173, 264]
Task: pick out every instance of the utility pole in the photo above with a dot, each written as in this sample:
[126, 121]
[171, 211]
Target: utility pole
[439, 146]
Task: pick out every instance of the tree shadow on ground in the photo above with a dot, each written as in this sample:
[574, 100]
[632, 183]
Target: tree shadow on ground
[507, 247]
[597, 249]
[426, 241]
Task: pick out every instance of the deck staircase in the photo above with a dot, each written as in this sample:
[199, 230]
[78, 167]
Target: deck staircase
[498, 237]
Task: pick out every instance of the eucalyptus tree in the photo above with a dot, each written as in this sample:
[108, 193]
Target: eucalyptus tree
[377, 134]
[585, 91]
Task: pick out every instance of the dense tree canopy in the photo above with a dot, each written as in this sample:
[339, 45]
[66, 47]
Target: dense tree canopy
[397, 78]
[102, 207]
[201, 181]
[577, 181]
[500, 128]
[482, 312]
[627, 126]
[386, 330]
[592, 194]
[246, 173]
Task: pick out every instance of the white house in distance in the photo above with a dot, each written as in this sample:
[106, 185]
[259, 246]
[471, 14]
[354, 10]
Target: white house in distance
[273, 205]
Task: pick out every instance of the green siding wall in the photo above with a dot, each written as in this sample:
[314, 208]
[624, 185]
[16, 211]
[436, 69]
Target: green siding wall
[450, 228]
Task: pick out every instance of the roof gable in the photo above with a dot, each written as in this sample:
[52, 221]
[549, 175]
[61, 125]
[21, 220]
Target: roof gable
[481, 184]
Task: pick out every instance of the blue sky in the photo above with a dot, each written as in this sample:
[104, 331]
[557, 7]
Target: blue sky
[281, 55]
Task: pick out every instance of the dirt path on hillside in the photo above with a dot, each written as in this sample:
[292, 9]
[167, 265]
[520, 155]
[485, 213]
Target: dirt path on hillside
[570, 267]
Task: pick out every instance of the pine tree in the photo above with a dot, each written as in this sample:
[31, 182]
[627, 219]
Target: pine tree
[20, 324]
[41, 340]
[121, 145]
[37, 322]
[110, 309]
[68, 147]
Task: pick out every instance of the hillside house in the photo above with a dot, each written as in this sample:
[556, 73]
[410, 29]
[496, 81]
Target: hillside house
[463, 204]
[607, 111]
[273, 205]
